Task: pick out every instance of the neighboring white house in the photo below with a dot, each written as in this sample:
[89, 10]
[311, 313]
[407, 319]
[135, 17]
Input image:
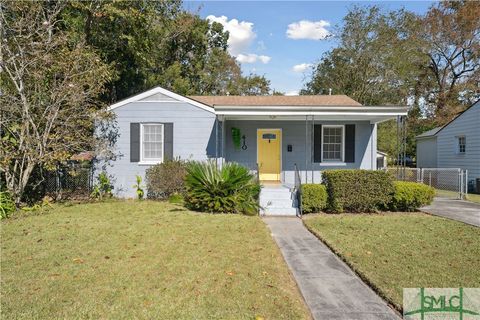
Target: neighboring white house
[382, 160]
[455, 145]
[427, 149]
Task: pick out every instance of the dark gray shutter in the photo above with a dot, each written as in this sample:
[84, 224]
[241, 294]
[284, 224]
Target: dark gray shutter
[349, 143]
[317, 143]
[134, 142]
[168, 141]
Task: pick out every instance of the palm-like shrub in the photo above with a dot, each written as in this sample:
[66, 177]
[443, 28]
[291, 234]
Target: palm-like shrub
[230, 189]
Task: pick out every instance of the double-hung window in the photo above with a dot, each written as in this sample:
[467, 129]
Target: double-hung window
[152, 139]
[461, 144]
[332, 143]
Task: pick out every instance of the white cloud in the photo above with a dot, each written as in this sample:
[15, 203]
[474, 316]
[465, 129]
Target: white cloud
[305, 29]
[252, 58]
[241, 33]
[302, 67]
[292, 93]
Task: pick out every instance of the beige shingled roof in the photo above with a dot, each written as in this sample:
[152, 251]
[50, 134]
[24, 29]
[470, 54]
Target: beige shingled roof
[318, 100]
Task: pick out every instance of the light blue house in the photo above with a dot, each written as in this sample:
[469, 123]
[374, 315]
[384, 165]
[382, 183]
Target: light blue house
[271, 134]
[455, 145]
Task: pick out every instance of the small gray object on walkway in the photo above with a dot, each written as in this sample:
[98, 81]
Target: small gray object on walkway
[330, 289]
[463, 211]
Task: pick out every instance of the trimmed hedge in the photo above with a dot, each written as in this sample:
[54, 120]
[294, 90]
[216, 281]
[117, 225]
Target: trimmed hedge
[314, 198]
[409, 196]
[358, 190]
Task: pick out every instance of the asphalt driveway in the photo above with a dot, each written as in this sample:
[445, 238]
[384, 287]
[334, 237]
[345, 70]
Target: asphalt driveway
[464, 211]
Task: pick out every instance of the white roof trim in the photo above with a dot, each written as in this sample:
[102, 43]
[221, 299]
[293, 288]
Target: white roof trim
[330, 110]
[433, 136]
[269, 110]
[309, 107]
[163, 91]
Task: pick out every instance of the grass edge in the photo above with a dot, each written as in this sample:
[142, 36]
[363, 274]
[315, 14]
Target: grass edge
[397, 309]
[289, 271]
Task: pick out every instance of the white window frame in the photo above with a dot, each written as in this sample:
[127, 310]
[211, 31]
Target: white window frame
[151, 160]
[458, 144]
[342, 149]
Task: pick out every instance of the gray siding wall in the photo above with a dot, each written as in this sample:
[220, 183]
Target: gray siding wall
[198, 136]
[299, 136]
[468, 125]
[427, 152]
[194, 137]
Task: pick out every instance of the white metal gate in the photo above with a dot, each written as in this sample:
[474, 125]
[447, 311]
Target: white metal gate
[449, 183]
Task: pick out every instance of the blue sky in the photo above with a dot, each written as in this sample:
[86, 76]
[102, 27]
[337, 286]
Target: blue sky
[259, 38]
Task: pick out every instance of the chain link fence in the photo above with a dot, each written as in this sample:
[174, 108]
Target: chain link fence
[449, 183]
[72, 181]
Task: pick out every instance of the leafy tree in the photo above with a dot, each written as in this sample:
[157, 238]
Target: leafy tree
[451, 32]
[62, 60]
[387, 138]
[429, 62]
[252, 85]
[152, 43]
[49, 83]
[220, 74]
[368, 64]
[127, 35]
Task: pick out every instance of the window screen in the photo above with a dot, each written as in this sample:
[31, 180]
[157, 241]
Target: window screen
[152, 142]
[332, 147]
[462, 143]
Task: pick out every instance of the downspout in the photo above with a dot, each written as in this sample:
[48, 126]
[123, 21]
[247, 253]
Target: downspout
[216, 140]
[223, 139]
[312, 128]
[374, 151]
[306, 141]
[374, 148]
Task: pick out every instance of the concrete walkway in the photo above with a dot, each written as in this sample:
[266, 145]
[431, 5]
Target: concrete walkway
[330, 288]
[464, 211]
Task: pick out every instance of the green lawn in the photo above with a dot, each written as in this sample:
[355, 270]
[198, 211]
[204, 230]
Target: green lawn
[454, 195]
[143, 260]
[403, 250]
[473, 197]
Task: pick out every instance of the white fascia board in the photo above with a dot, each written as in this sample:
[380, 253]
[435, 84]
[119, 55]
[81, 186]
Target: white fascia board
[426, 137]
[297, 117]
[163, 91]
[377, 120]
[404, 109]
[341, 110]
[311, 113]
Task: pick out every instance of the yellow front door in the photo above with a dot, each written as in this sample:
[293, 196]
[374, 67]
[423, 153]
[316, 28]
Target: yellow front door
[269, 143]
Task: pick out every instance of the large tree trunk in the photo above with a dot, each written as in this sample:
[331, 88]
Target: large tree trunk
[17, 179]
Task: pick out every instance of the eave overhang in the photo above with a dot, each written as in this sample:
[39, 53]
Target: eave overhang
[312, 110]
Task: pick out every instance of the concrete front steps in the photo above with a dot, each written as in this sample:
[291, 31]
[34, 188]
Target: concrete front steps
[277, 200]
